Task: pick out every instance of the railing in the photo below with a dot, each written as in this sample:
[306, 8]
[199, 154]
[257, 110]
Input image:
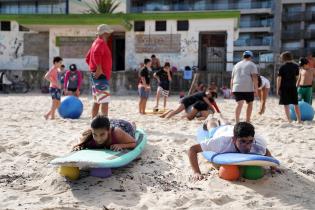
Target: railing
[169, 6]
[310, 16]
[293, 16]
[248, 24]
[291, 34]
[252, 42]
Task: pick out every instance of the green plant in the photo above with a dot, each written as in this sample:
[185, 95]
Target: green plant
[103, 6]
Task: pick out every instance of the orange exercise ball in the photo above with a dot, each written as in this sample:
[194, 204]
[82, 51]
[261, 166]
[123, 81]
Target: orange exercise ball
[229, 172]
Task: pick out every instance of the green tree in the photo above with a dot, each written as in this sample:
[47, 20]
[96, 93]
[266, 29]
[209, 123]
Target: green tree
[103, 6]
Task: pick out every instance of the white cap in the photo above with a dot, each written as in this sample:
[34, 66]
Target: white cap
[104, 28]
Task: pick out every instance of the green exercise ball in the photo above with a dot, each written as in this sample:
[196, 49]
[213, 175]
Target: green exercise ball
[252, 172]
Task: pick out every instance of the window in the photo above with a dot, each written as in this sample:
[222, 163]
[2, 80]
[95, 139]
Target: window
[139, 26]
[160, 25]
[5, 26]
[182, 25]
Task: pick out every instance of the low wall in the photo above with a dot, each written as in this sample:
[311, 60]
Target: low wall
[124, 82]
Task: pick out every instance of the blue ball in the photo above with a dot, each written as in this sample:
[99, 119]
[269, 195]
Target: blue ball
[70, 107]
[307, 111]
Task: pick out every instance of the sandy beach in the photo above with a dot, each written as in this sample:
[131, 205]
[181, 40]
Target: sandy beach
[159, 179]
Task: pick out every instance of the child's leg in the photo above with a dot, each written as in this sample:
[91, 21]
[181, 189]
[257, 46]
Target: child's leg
[191, 115]
[157, 98]
[249, 111]
[165, 99]
[144, 105]
[287, 112]
[238, 110]
[104, 109]
[55, 106]
[204, 115]
[140, 105]
[260, 96]
[298, 113]
[180, 108]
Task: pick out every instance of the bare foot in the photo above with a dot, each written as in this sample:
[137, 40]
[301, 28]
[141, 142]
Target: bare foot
[46, 116]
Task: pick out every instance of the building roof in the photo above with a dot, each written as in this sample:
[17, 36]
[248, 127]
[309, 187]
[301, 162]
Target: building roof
[120, 19]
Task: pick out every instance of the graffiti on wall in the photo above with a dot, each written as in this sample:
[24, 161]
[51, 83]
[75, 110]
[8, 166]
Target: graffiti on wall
[11, 51]
[166, 43]
[189, 46]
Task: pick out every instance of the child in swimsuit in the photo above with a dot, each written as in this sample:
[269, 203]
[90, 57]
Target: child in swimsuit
[305, 81]
[112, 134]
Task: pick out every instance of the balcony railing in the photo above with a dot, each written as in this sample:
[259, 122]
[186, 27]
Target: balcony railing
[293, 16]
[292, 34]
[249, 24]
[310, 16]
[252, 42]
[169, 6]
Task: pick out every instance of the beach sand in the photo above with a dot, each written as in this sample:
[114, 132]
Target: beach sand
[160, 178]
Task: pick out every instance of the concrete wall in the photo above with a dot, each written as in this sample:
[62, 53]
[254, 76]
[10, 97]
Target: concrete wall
[67, 31]
[189, 42]
[12, 50]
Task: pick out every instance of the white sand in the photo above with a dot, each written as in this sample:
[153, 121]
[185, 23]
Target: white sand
[160, 179]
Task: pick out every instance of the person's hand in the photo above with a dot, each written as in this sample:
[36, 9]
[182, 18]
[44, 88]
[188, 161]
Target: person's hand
[77, 92]
[275, 170]
[116, 147]
[98, 73]
[77, 148]
[197, 177]
[147, 88]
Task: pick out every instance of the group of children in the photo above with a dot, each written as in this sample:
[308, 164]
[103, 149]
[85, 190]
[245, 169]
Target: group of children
[62, 83]
[119, 134]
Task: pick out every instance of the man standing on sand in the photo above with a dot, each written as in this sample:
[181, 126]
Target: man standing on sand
[244, 85]
[99, 59]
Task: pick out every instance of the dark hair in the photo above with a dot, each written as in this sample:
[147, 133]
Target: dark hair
[62, 66]
[57, 59]
[100, 121]
[243, 129]
[303, 61]
[167, 64]
[146, 61]
[153, 56]
[247, 56]
[286, 56]
[73, 67]
[259, 81]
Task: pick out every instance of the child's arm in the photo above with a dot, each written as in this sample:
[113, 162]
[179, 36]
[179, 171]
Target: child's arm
[298, 80]
[278, 84]
[125, 140]
[272, 168]
[66, 80]
[205, 99]
[156, 77]
[47, 75]
[86, 136]
[214, 104]
[169, 75]
[193, 159]
[79, 79]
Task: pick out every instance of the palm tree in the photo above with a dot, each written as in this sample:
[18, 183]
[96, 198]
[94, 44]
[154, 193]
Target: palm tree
[103, 6]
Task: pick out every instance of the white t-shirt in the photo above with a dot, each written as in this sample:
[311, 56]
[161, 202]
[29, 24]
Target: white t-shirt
[221, 142]
[264, 82]
[242, 76]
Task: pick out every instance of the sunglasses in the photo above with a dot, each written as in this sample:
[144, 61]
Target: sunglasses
[247, 142]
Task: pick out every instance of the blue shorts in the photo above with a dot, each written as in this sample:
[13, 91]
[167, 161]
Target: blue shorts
[143, 93]
[55, 93]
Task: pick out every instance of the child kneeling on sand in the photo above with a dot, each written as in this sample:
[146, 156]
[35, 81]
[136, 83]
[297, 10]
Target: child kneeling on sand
[111, 134]
[227, 138]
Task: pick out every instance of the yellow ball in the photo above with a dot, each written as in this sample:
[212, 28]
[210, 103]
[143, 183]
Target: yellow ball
[71, 173]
